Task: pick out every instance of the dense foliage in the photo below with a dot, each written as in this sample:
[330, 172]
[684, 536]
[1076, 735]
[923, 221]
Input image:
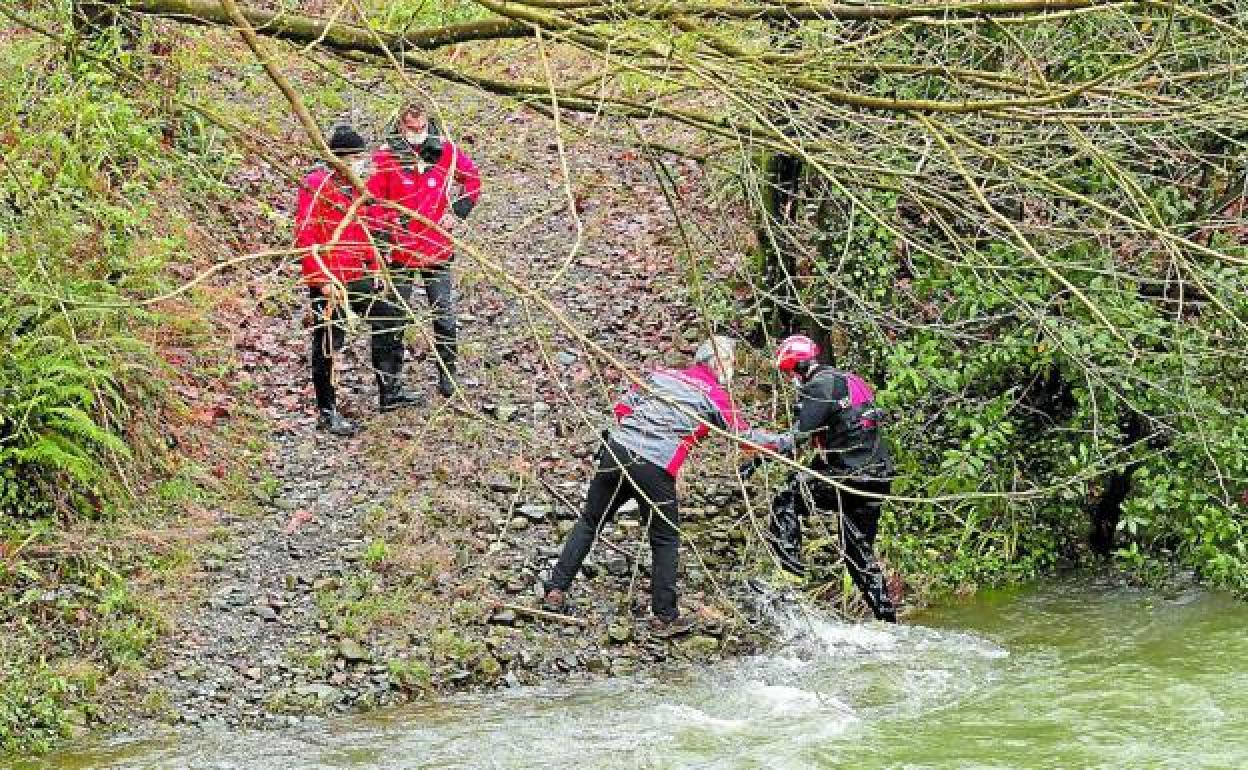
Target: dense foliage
[1053, 302]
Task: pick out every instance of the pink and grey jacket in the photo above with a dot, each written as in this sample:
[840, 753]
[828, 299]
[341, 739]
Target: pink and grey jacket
[663, 422]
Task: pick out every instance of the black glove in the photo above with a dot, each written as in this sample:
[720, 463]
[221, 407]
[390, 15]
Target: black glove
[463, 207]
[746, 470]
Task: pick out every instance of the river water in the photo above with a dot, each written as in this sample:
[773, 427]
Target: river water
[1053, 676]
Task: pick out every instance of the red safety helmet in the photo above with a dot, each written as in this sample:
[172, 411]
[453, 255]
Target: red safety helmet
[795, 350]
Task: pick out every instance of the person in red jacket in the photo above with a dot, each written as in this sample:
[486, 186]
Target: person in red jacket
[341, 268]
[424, 183]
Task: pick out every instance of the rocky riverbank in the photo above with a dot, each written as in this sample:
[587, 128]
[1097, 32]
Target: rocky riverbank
[405, 562]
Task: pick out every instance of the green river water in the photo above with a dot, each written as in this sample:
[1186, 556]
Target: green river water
[1055, 676]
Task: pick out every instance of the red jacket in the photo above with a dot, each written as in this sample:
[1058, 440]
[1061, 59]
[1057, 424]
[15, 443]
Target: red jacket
[416, 243]
[324, 200]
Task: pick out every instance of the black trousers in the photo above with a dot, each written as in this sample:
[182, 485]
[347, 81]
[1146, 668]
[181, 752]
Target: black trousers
[623, 476]
[329, 334]
[859, 525]
[439, 289]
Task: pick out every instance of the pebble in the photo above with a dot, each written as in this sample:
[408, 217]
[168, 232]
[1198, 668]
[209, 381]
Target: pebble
[353, 652]
[504, 617]
[620, 633]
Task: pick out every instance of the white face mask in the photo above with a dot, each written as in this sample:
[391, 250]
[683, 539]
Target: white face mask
[362, 166]
[416, 138]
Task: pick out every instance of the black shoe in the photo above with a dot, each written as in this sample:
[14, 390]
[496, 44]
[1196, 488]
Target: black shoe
[679, 626]
[447, 385]
[555, 601]
[398, 397]
[332, 422]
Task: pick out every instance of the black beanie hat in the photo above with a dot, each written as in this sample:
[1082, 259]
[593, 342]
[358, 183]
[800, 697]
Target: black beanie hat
[343, 140]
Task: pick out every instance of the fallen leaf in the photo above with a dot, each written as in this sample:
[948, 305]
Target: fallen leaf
[297, 520]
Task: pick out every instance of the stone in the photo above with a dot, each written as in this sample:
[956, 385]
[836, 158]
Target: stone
[519, 523]
[266, 613]
[566, 357]
[501, 485]
[597, 665]
[504, 617]
[620, 633]
[700, 647]
[323, 694]
[535, 511]
[353, 652]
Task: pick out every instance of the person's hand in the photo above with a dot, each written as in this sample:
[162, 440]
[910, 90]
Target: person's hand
[325, 289]
[447, 222]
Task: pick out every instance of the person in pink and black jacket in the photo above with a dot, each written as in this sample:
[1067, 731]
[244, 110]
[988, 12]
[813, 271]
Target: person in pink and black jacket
[837, 420]
[641, 456]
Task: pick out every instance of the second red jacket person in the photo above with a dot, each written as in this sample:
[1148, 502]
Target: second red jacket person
[425, 183]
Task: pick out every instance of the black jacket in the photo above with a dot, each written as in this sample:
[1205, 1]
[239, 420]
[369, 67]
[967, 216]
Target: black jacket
[836, 414]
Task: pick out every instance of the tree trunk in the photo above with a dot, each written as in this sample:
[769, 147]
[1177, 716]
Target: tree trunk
[782, 176]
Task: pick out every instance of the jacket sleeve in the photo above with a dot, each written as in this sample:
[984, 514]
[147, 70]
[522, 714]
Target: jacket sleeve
[308, 234]
[819, 402]
[726, 416]
[627, 403]
[307, 231]
[469, 178]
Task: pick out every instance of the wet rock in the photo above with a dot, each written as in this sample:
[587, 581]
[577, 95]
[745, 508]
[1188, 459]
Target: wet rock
[596, 664]
[318, 694]
[353, 652]
[700, 647]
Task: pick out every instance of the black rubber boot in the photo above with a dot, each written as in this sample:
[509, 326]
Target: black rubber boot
[390, 386]
[444, 359]
[786, 532]
[330, 421]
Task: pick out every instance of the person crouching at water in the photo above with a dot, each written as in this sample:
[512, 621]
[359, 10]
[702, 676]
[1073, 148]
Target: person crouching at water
[640, 458]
